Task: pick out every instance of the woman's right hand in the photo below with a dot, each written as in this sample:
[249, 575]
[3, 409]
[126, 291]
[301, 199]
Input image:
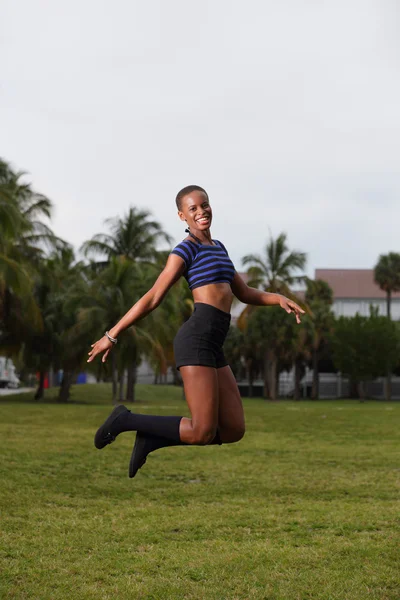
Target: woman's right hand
[100, 346]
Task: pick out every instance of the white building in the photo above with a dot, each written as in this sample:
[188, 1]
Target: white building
[354, 291]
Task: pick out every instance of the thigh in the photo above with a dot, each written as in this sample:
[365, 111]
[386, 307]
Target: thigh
[230, 411]
[201, 392]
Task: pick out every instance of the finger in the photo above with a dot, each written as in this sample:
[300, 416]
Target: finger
[93, 353]
[299, 309]
[105, 355]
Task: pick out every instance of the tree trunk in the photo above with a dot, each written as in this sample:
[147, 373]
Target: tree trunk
[250, 382]
[175, 374]
[51, 376]
[130, 387]
[121, 387]
[40, 391]
[64, 393]
[315, 383]
[99, 371]
[388, 386]
[272, 379]
[297, 379]
[114, 377]
[266, 377]
[361, 391]
[353, 388]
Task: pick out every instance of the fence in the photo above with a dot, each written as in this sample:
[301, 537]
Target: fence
[331, 385]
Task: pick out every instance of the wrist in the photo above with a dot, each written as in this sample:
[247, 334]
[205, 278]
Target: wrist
[110, 337]
[273, 299]
[114, 332]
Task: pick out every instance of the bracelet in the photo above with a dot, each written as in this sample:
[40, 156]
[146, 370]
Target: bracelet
[113, 340]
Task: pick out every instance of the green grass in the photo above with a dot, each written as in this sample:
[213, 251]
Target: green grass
[305, 507]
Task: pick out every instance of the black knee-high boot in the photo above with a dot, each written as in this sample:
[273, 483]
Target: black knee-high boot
[145, 444]
[121, 419]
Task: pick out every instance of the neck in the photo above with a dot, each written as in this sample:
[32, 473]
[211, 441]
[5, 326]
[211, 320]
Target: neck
[203, 237]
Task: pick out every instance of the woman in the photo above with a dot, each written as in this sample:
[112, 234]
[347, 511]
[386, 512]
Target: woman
[210, 387]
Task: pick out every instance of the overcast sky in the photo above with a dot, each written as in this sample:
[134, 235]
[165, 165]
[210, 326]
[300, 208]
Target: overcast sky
[287, 112]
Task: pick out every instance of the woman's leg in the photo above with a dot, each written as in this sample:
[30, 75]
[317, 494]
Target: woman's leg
[201, 389]
[201, 392]
[231, 424]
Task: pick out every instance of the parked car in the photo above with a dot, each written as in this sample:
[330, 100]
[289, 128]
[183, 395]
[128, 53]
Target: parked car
[8, 375]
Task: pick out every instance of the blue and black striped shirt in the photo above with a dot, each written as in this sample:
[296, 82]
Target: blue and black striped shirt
[205, 264]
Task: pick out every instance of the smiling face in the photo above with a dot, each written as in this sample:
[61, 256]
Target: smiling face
[196, 211]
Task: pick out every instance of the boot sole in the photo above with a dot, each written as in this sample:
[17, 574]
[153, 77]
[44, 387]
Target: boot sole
[137, 457]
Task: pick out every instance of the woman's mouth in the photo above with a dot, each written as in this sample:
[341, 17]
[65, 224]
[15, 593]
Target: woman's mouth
[203, 220]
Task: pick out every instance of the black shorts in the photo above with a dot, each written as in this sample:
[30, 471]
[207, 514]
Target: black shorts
[200, 339]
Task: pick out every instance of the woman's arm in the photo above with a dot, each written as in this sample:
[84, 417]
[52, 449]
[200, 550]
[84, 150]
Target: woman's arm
[250, 295]
[147, 303]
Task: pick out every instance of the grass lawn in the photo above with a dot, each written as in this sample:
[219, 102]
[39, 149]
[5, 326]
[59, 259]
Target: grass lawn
[305, 507]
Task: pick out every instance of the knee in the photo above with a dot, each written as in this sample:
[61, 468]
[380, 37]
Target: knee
[239, 433]
[235, 434]
[202, 436]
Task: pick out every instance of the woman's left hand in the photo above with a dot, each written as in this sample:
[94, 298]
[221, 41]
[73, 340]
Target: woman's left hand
[291, 307]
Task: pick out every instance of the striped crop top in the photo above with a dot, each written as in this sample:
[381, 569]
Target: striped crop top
[205, 264]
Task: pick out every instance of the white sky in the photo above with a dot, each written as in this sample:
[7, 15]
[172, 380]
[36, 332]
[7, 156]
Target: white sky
[286, 112]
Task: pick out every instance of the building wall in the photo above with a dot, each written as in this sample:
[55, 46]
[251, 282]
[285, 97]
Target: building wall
[343, 307]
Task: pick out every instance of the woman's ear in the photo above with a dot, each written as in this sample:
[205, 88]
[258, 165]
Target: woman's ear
[181, 215]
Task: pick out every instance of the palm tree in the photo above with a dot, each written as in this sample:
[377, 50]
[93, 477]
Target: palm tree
[13, 274]
[23, 239]
[44, 344]
[275, 271]
[165, 321]
[387, 276]
[318, 322]
[101, 303]
[133, 237]
[270, 333]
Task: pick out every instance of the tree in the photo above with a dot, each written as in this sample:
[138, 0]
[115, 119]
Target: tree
[24, 237]
[300, 355]
[101, 303]
[133, 237]
[233, 349]
[361, 347]
[164, 322]
[270, 333]
[275, 271]
[45, 347]
[387, 276]
[318, 323]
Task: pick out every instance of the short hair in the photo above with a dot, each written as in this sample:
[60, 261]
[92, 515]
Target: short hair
[188, 190]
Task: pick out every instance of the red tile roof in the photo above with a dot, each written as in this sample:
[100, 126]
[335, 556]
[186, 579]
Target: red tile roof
[352, 283]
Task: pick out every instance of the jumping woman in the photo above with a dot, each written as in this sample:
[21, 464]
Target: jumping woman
[210, 387]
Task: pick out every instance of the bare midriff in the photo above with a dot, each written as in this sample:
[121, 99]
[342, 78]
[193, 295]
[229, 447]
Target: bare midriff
[217, 294]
